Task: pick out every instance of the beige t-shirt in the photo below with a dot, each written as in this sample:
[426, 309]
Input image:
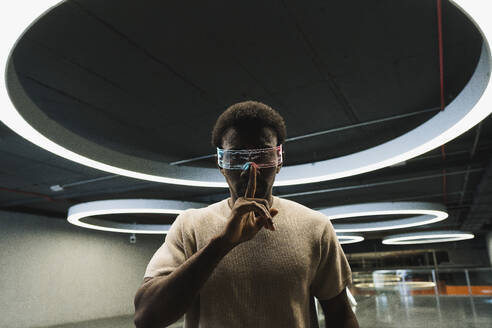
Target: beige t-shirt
[268, 281]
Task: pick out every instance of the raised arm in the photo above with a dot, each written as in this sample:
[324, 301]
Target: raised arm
[162, 300]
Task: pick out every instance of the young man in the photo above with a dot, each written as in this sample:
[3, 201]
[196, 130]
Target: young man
[252, 260]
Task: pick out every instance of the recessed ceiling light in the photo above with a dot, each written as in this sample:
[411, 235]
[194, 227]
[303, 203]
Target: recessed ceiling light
[126, 206]
[427, 213]
[427, 237]
[471, 106]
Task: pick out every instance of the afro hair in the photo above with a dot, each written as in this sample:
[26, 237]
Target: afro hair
[248, 114]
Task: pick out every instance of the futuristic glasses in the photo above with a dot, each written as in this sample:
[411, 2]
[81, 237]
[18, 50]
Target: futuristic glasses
[241, 159]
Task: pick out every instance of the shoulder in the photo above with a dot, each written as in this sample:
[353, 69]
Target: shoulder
[304, 219]
[195, 217]
[302, 212]
[189, 227]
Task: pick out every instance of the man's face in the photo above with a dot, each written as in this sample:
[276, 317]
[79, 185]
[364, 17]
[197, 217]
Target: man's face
[238, 179]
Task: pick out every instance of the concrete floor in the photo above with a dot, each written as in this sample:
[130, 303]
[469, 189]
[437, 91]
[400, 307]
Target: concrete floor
[115, 322]
[382, 311]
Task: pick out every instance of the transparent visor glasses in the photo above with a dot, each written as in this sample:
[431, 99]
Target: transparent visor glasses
[242, 159]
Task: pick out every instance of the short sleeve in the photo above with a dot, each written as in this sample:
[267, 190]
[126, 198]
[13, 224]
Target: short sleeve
[333, 272]
[172, 252]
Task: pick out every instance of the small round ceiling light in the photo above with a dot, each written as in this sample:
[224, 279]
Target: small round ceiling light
[426, 213]
[472, 105]
[345, 238]
[85, 211]
[427, 237]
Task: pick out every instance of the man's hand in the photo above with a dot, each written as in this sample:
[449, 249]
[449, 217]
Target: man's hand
[248, 214]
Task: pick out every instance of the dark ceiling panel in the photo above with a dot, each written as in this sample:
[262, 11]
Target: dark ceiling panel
[139, 83]
[150, 78]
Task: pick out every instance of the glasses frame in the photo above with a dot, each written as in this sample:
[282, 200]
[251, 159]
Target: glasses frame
[221, 152]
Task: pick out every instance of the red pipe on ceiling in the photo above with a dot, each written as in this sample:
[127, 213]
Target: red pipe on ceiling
[29, 193]
[441, 78]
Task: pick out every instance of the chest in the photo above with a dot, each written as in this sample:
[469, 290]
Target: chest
[278, 259]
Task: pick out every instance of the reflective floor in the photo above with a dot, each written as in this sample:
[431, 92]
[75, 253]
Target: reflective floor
[115, 322]
[405, 311]
[381, 311]
[413, 298]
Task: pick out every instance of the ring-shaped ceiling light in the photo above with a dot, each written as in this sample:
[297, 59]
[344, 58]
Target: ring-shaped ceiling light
[427, 237]
[345, 238]
[125, 206]
[77, 213]
[471, 106]
[426, 213]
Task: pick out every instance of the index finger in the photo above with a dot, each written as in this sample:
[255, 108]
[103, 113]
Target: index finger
[251, 188]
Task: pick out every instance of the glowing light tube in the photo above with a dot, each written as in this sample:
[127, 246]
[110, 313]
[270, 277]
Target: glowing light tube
[427, 213]
[345, 238]
[427, 237]
[78, 212]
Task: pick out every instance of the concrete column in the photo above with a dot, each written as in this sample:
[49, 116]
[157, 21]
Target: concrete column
[489, 246]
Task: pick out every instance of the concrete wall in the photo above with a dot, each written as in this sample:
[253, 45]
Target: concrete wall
[52, 272]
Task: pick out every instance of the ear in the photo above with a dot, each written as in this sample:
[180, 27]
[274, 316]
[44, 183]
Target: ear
[220, 169]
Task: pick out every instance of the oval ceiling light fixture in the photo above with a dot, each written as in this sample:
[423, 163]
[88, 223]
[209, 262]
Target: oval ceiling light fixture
[427, 213]
[427, 237]
[126, 206]
[471, 106]
[345, 238]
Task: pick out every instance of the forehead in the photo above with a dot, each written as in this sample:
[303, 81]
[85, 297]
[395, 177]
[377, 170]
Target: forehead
[235, 138]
